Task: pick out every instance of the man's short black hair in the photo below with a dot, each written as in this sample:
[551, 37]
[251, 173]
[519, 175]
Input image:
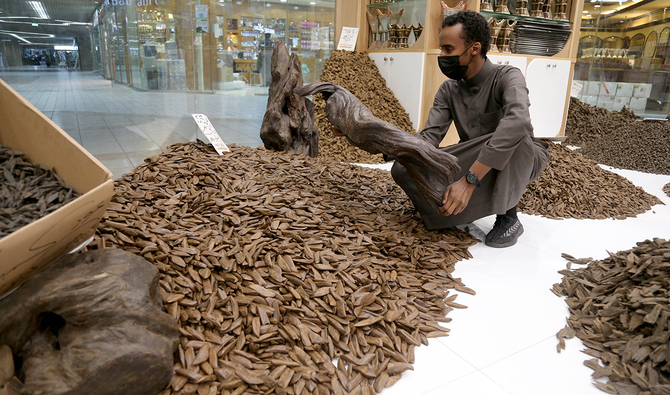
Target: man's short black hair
[475, 28]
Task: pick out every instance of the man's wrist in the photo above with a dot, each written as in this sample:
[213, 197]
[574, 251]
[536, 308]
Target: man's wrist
[472, 178]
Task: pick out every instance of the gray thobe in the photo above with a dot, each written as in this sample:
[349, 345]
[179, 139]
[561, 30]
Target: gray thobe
[490, 111]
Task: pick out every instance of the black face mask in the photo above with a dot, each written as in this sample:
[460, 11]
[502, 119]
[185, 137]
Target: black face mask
[451, 65]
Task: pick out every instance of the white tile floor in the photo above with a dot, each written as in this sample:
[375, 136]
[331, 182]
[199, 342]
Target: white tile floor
[121, 126]
[503, 343]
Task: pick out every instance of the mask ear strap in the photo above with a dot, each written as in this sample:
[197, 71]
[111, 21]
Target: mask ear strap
[473, 55]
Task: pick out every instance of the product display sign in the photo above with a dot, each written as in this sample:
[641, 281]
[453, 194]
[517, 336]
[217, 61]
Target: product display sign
[201, 19]
[348, 38]
[208, 130]
[576, 88]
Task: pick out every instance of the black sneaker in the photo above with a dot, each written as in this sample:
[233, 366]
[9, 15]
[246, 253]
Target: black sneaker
[505, 232]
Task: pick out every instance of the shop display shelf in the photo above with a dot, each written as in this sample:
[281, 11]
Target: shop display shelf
[498, 15]
[406, 3]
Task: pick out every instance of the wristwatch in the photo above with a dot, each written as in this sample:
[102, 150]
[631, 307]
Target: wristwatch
[472, 179]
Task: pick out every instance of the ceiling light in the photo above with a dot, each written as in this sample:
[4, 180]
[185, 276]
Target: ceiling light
[585, 12]
[38, 7]
[14, 35]
[312, 2]
[283, 1]
[596, 6]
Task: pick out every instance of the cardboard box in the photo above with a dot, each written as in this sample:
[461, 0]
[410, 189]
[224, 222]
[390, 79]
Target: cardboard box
[642, 90]
[638, 104]
[32, 248]
[624, 89]
[620, 103]
[607, 88]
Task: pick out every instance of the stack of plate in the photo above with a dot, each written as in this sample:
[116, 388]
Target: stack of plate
[541, 37]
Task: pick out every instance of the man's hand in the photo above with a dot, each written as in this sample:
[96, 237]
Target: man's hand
[456, 197]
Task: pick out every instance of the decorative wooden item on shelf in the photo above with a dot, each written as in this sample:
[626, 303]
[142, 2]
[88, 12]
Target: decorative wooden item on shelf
[538, 9]
[383, 18]
[496, 26]
[446, 10]
[485, 5]
[395, 18]
[502, 7]
[373, 22]
[546, 9]
[560, 10]
[404, 33]
[393, 36]
[417, 31]
[505, 34]
[521, 8]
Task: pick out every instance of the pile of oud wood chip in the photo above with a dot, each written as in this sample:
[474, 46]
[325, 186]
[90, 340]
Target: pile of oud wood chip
[587, 123]
[359, 74]
[28, 191]
[619, 139]
[574, 186]
[619, 308]
[666, 189]
[287, 275]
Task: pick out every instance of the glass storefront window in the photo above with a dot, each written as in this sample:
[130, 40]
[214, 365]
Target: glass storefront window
[623, 57]
[211, 45]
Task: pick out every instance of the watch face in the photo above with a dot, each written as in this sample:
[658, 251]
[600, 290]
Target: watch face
[471, 178]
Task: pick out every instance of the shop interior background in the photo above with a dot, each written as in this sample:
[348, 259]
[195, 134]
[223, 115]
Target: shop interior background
[123, 77]
[623, 57]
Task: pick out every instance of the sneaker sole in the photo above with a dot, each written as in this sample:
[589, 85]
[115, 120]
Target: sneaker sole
[508, 244]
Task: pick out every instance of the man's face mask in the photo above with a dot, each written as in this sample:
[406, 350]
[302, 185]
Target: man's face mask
[451, 65]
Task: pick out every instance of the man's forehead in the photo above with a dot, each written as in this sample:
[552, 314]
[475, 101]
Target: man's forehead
[451, 35]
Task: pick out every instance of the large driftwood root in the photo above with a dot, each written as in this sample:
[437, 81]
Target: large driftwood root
[91, 324]
[288, 123]
[431, 169]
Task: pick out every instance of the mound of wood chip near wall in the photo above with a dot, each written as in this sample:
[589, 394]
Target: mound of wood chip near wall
[359, 74]
[287, 275]
[619, 308]
[574, 186]
[619, 139]
[587, 123]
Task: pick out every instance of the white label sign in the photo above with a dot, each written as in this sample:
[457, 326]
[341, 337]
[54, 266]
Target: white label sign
[201, 20]
[576, 88]
[348, 38]
[208, 130]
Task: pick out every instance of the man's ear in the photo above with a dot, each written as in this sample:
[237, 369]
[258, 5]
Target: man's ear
[476, 48]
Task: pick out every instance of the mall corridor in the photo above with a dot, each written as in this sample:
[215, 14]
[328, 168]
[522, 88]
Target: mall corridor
[121, 126]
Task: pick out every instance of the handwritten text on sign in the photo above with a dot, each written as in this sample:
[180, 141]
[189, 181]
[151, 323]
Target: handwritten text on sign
[348, 38]
[208, 130]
